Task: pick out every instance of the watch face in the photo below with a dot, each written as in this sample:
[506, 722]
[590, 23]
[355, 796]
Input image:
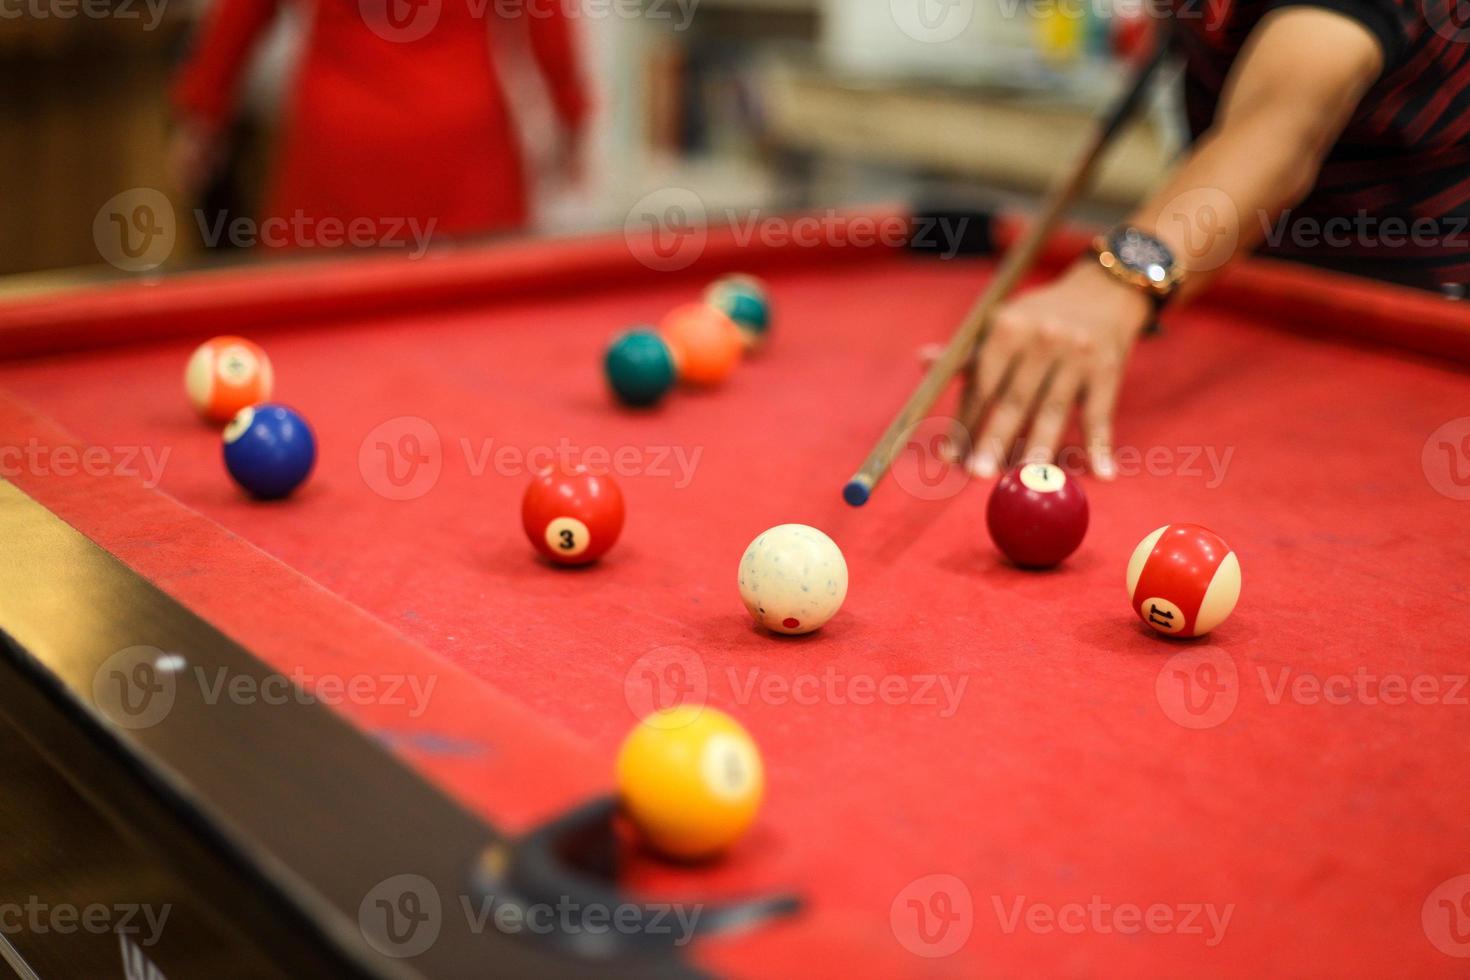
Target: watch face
[1142, 253]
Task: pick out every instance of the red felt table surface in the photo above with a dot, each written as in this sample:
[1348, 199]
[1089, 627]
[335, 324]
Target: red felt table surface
[1021, 732]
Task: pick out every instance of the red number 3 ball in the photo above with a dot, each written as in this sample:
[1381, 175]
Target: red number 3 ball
[572, 516]
[1183, 580]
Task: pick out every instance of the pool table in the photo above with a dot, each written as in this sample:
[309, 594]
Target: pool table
[366, 731]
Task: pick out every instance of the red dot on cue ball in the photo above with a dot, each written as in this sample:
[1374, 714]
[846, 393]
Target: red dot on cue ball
[1037, 515]
[571, 515]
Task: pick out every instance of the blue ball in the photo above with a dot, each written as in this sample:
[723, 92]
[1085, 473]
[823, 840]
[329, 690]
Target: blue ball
[269, 450]
[640, 368]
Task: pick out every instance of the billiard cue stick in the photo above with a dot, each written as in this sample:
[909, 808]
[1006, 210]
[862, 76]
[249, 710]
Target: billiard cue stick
[1014, 266]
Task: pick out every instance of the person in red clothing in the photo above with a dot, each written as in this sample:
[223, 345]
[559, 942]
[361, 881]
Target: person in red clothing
[397, 117]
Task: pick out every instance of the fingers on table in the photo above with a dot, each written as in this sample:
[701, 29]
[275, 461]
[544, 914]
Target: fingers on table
[1018, 393]
[1053, 412]
[962, 433]
[1027, 381]
[1035, 377]
[1098, 403]
[1013, 372]
[996, 362]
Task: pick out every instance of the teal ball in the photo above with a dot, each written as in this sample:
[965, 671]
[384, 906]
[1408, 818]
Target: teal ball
[743, 300]
[640, 368]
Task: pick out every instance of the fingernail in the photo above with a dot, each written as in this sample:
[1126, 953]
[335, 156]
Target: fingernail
[1103, 466]
[983, 465]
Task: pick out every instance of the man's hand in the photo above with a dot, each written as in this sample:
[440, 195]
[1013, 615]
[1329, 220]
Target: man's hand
[1290, 94]
[1048, 350]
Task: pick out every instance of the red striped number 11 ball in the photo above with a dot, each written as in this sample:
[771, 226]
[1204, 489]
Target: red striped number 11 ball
[1183, 580]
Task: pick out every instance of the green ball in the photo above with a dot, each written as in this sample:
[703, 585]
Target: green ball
[640, 368]
[743, 300]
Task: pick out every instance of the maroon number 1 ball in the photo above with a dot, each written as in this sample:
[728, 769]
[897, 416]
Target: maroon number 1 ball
[1037, 515]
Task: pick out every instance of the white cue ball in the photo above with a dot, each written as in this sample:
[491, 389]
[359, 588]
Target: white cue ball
[793, 579]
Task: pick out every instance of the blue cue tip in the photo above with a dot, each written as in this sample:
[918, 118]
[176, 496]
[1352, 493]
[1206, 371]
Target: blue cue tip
[856, 493]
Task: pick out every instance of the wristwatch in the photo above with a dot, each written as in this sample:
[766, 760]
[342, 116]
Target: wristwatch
[1140, 260]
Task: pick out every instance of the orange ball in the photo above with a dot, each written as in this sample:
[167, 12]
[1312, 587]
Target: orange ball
[227, 374]
[706, 343]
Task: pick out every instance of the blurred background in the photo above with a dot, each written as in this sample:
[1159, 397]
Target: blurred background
[747, 105]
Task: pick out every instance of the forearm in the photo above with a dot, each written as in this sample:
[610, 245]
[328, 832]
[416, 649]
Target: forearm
[1218, 205]
[204, 90]
[1289, 98]
[555, 49]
